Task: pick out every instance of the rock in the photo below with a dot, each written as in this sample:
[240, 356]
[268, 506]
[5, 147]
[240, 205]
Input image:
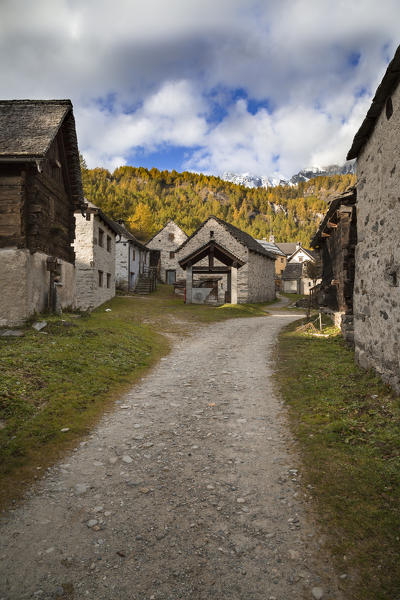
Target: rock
[92, 523]
[144, 490]
[127, 459]
[64, 429]
[39, 325]
[107, 310]
[50, 550]
[113, 460]
[98, 509]
[12, 333]
[240, 500]
[317, 593]
[81, 488]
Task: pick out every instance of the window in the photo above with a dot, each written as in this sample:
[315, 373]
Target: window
[171, 237]
[108, 243]
[100, 278]
[172, 254]
[101, 237]
[301, 258]
[282, 260]
[211, 234]
[108, 280]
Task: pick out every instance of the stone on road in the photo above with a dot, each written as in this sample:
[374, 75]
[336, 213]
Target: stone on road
[205, 502]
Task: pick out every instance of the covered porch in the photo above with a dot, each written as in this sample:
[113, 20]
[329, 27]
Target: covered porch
[200, 294]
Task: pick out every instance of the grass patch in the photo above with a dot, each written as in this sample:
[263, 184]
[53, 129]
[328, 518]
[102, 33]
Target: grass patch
[348, 425]
[67, 375]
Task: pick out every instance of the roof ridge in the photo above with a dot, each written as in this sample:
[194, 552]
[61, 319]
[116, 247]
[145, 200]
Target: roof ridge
[38, 101]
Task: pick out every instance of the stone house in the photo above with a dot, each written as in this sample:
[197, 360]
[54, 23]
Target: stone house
[376, 146]
[270, 246]
[94, 258]
[226, 265]
[167, 241]
[336, 241]
[40, 189]
[132, 259]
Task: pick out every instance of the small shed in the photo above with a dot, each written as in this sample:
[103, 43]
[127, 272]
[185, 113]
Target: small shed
[40, 189]
[219, 248]
[336, 241]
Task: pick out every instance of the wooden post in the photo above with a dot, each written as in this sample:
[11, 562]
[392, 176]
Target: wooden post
[320, 321]
[189, 284]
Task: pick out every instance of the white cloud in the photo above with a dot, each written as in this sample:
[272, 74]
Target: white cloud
[140, 74]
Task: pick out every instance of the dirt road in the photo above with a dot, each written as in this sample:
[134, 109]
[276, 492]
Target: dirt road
[189, 489]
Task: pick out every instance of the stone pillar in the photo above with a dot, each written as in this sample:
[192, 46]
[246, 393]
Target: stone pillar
[234, 285]
[189, 285]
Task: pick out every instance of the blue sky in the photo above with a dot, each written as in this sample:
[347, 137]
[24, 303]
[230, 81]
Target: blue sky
[258, 86]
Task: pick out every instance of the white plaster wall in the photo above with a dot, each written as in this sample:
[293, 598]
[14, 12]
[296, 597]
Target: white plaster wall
[121, 263]
[132, 258]
[376, 294]
[90, 258]
[162, 242]
[25, 285]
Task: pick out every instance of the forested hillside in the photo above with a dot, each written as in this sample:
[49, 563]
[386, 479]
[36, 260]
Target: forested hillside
[147, 199]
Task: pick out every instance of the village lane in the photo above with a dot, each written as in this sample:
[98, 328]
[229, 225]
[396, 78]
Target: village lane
[189, 489]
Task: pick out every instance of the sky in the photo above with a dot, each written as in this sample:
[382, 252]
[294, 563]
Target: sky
[245, 86]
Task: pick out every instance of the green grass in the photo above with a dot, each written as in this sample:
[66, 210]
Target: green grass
[293, 297]
[348, 425]
[67, 375]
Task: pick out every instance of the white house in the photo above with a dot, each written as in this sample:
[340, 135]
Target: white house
[94, 247]
[132, 259]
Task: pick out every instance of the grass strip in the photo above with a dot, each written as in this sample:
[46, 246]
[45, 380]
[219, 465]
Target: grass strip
[347, 423]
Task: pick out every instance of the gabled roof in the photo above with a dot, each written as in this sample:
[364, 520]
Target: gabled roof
[293, 271]
[386, 88]
[217, 251]
[271, 247]
[27, 129]
[348, 198]
[287, 247]
[309, 253]
[241, 236]
[162, 229]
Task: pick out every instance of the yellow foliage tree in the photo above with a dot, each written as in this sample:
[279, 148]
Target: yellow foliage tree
[142, 222]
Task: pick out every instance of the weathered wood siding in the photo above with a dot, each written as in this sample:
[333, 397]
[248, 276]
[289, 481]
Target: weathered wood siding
[12, 221]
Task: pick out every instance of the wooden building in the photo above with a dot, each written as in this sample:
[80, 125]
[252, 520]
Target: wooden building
[336, 241]
[40, 188]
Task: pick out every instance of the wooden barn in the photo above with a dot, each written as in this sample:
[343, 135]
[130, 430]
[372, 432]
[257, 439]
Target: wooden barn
[336, 241]
[40, 188]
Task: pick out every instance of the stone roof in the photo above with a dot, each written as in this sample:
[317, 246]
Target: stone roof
[241, 236]
[27, 129]
[293, 271]
[386, 88]
[271, 247]
[287, 247]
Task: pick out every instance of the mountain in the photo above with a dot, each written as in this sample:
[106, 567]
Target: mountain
[150, 197]
[256, 181]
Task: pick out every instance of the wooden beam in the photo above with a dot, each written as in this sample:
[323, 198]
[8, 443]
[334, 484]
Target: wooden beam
[325, 234]
[331, 224]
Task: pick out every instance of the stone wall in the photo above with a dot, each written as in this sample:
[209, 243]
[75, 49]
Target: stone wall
[92, 258]
[256, 278]
[130, 262]
[261, 278]
[25, 285]
[377, 273]
[162, 241]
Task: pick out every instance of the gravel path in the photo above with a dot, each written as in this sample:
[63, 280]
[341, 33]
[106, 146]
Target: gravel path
[189, 489]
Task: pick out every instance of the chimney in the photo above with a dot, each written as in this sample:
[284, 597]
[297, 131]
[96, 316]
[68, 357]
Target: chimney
[272, 238]
[298, 245]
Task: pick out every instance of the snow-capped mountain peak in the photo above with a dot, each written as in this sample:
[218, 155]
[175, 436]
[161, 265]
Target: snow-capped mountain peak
[251, 181]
